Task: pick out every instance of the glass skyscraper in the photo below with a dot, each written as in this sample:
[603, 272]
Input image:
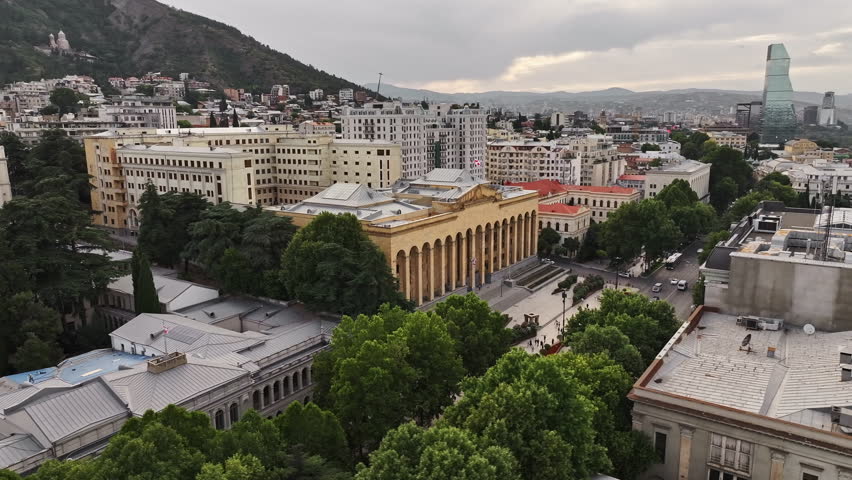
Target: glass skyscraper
[778, 122]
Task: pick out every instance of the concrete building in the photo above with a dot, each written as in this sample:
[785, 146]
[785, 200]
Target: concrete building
[810, 115]
[782, 263]
[569, 221]
[729, 139]
[265, 165]
[636, 182]
[222, 358]
[345, 95]
[600, 164]
[739, 397]
[696, 174]
[557, 119]
[310, 127]
[137, 111]
[444, 135]
[443, 231]
[5, 183]
[521, 161]
[30, 129]
[600, 200]
[316, 94]
[827, 112]
[631, 134]
[778, 117]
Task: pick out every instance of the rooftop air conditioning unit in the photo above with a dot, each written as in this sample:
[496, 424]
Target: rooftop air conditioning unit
[750, 323]
[773, 324]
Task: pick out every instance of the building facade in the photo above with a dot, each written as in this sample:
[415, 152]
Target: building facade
[696, 174]
[443, 135]
[444, 231]
[827, 112]
[601, 201]
[569, 221]
[729, 139]
[531, 161]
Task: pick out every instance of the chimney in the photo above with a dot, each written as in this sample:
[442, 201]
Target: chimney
[166, 362]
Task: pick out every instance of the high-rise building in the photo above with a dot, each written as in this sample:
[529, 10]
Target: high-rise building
[827, 115]
[748, 114]
[811, 115]
[778, 123]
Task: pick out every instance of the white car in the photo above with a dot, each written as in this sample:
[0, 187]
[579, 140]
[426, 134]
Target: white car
[681, 285]
[673, 281]
[657, 288]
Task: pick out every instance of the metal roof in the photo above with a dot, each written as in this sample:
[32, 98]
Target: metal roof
[16, 448]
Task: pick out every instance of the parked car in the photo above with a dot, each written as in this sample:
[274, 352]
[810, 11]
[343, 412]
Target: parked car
[658, 287]
[655, 299]
[681, 285]
[625, 274]
[674, 281]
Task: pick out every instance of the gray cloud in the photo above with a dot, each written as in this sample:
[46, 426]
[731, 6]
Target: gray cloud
[544, 45]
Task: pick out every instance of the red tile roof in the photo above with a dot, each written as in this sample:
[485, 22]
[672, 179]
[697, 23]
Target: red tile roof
[544, 188]
[613, 189]
[640, 178]
[560, 208]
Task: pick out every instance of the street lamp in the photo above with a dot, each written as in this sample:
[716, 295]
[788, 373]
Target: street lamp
[564, 297]
[617, 263]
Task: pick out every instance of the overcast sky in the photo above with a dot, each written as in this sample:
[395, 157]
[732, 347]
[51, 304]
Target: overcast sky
[549, 45]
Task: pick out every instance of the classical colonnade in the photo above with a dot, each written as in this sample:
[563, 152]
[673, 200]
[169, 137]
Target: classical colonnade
[441, 265]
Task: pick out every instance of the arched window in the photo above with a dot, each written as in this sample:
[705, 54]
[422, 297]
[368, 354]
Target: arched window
[607, 204]
[548, 224]
[276, 391]
[304, 377]
[557, 226]
[219, 420]
[295, 381]
[266, 397]
[286, 385]
[256, 400]
[235, 413]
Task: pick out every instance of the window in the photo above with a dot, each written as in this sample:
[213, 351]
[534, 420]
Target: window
[220, 420]
[730, 453]
[660, 446]
[714, 474]
[809, 476]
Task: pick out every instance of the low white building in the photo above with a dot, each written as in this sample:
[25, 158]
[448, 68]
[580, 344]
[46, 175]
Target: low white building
[696, 174]
[345, 95]
[569, 221]
[316, 95]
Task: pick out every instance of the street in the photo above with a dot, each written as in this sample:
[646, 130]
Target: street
[686, 270]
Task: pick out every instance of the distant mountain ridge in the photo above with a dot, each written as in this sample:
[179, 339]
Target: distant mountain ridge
[131, 37]
[706, 99]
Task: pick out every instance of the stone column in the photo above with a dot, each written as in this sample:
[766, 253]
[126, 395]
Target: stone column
[489, 238]
[686, 433]
[480, 261]
[463, 259]
[776, 466]
[525, 231]
[519, 239]
[451, 263]
[533, 241]
[417, 278]
[439, 263]
[404, 278]
[510, 242]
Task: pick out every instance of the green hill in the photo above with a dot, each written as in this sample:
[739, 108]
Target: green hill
[131, 37]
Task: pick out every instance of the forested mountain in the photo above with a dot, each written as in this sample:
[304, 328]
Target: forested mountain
[131, 37]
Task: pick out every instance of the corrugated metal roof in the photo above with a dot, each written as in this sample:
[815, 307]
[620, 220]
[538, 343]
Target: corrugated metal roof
[69, 411]
[16, 448]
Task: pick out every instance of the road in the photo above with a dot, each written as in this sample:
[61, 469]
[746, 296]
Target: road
[686, 270]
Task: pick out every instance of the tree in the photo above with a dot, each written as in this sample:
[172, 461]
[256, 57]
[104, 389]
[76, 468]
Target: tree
[723, 193]
[597, 128]
[520, 404]
[609, 340]
[640, 227]
[212, 121]
[29, 333]
[65, 99]
[16, 155]
[591, 242]
[184, 124]
[779, 190]
[145, 298]
[728, 162]
[235, 119]
[217, 229]
[49, 110]
[146, 90]
[332, 265]
[318, 431]
[650, 147]
[677, 194]
[698, 291]
[412, 453]
[572, 245]
[234, 272]
[480, 333]
[693, 220]
[547, 239]
[223, 105]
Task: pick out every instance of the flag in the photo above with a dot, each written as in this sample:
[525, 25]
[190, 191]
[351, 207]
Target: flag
[477, 162]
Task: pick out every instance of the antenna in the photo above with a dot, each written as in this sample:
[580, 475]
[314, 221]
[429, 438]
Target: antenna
[379, 87]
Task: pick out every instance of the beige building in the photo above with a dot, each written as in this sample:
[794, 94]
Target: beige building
[443, 231]
[601, 201]
[696, 174]
[569, 221]
[265, 165]
[729, 139]
[747, 397]
[527, 161]
[600, 164]
[799, 146]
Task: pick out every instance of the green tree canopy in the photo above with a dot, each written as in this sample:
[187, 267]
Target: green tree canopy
[609, 340]
[677, 194]
[723, 193]
[727, 162]
[65, 99]
[547, 239]
[447, 453]
[650, 147]
[318, 431]
[637, 227]
[332, 265]
[145, 298]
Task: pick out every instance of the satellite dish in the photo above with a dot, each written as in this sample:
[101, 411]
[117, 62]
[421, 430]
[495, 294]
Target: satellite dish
[809, 329]
[746, 340]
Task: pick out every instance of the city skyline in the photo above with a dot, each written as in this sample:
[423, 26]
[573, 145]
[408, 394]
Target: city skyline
[581, 46]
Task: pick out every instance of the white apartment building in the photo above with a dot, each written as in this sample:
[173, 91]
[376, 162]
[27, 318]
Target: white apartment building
[820, 179]
[600, 164]
[310, 127]
[424, 135]
[696, 174]
[531, 161]
[172, 90]
[316, 95]
[345, 95]
[136, 111]
[729, 139]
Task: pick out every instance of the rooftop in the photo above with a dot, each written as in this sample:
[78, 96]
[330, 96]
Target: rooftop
[681, 166]
[561, 208]
[178, 149]
[545, 188]
[359, 200]
[800, 383]
[77, 369]
[612, 189]
[635, 178]
[172, 292]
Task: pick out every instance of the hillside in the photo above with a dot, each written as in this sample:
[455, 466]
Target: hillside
[614, 99]
[131, 37]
